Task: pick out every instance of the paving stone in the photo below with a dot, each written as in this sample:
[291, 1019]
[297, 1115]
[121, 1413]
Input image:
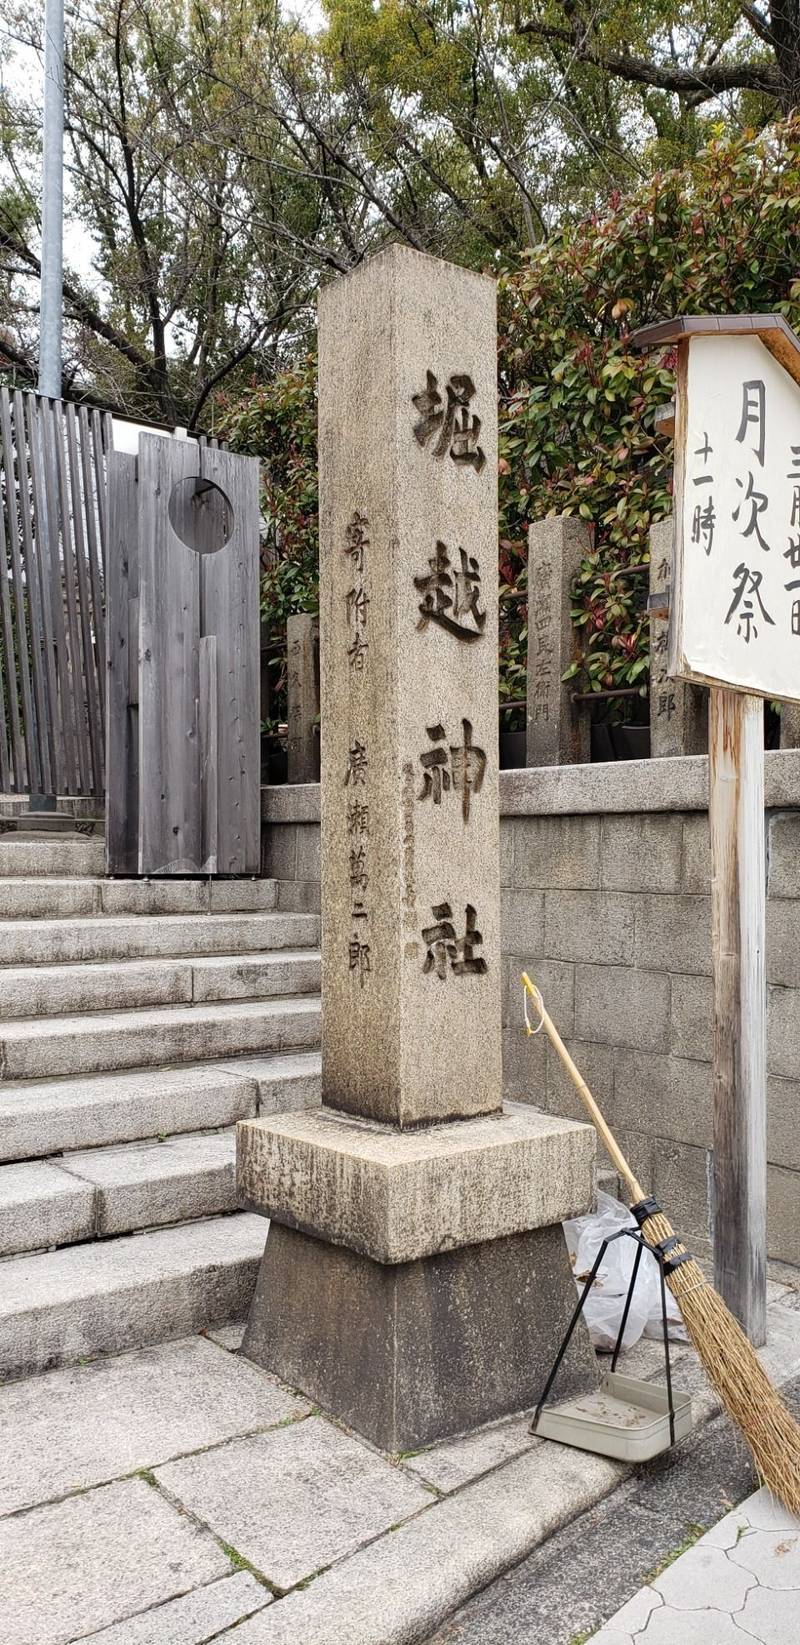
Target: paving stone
[295, 1499]
[668, 1627]
[635, 1616]
[773, 1557]
[769, 1616]
[73, 1567]
[144, 1186]
[40, 1206]
[109, 1296]
[154, 896]
[401, 1586]
[703, 1577]
[194, 1618]
[80, 1427]
[457, 1461]
[782, 854]
[33, 899]
[763, 1512]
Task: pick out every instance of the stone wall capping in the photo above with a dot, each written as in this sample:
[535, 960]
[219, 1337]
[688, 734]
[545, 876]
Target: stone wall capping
[679, 783]
[396, 1196]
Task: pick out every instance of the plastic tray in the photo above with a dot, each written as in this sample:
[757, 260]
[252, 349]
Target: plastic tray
[623, 1418]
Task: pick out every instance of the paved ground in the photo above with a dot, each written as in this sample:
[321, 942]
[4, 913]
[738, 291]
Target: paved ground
[740, 1581]
[178, 1494]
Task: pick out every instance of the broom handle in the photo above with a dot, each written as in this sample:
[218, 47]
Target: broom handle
[609, 1143]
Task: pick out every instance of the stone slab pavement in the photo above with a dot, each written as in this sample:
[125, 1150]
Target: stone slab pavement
[177, 1494]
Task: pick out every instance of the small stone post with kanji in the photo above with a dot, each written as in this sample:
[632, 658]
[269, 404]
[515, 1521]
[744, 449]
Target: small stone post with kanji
[558, 730]
[678, 711]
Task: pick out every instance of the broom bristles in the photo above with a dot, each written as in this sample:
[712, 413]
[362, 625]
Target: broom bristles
[733, 1366]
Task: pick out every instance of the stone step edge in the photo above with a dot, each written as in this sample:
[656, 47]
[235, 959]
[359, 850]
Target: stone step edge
[87, 1203]
[107, 1296]
[151, 966]
[251, 1084]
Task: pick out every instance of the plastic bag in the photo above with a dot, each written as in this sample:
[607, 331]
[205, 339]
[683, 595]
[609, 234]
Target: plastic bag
[606, 1301]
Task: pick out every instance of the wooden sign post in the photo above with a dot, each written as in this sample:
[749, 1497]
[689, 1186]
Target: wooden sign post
[735, 626]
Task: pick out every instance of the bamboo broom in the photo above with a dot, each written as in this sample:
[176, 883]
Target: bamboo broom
[730, 1361]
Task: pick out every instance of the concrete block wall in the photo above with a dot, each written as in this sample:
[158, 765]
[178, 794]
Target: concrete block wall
[605, 877]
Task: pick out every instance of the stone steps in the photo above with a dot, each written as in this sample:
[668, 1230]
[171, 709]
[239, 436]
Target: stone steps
[105, 1296]
[45, 1117]
[65, 896]
[44, 1048]
[139, 1020]
[59, 990]
[92, 1194]
[31, 854]
[129, 937]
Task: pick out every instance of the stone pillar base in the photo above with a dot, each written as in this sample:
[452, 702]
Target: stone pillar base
[411, 1352]
[416, 1283]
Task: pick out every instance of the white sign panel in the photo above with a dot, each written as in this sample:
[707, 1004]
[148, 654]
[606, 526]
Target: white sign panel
[737, 572]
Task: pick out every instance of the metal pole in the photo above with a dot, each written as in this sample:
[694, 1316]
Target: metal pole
[52, 202]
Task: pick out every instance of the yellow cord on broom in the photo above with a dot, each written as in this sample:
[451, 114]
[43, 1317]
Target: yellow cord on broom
[730, 1361]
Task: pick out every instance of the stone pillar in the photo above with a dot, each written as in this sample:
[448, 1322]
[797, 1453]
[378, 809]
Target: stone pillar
[558, 729]
[678, 711]
[302, 690]
[413, 1281]
[790, 725]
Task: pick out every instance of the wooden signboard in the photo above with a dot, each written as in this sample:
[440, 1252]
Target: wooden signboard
[735, 626]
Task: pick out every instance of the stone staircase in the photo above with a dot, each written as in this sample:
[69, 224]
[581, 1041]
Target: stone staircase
[138, 1021]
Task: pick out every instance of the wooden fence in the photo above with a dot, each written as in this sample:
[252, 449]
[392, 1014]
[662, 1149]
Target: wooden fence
[53, 531]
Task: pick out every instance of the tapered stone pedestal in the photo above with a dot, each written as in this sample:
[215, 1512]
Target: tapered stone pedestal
[417, 1283]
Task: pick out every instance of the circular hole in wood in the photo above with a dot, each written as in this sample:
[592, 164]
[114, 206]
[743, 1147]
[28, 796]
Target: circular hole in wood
[201, 515]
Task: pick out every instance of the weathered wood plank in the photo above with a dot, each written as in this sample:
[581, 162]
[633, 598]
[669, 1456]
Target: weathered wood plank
[170, 812]
[49, 536]
[41, 646]
[12, 754]
[66, 585]
[94, 502]
[33, 775]
[209, 750]
[122, 750]
[738, 892]
[90, 654]
[230, 609]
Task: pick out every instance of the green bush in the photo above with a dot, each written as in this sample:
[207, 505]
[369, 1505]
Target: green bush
[577, 403]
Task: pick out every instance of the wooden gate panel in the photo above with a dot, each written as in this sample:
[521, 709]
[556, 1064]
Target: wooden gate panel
[230, 612]
[170, 815]
[183, 662]
[51, 598]
[122, 735]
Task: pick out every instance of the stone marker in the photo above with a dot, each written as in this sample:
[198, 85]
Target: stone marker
[790, 725]
[678, 711]
[558, 729]
[302, 691]
[413, 1279]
